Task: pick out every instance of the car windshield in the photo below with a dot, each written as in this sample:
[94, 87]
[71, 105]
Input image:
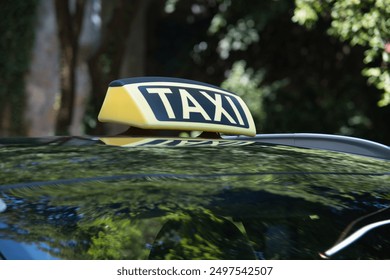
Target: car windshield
[252, 201]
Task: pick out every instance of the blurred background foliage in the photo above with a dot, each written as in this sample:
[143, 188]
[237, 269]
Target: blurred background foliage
[365, 23]
[303, 65]
[16, 39]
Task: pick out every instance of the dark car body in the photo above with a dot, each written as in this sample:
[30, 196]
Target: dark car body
[78, 198]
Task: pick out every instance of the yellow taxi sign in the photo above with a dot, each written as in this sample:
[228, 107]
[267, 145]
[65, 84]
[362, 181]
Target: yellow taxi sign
[175, 104]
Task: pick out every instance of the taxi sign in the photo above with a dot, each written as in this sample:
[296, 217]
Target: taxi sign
[175, 104]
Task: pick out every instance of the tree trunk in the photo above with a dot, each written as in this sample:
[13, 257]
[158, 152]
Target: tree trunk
[105, 65]
[69, 27]
[87, 46]
[42, 81]
[133, 63]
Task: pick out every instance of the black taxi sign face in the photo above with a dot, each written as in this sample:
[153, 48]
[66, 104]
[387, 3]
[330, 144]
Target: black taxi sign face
[175, 104]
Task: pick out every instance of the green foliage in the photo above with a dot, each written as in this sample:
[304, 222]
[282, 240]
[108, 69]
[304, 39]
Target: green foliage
[244, 82]
[238, 37]
[315, 81]
[365, 23]
[198, 234]
[114, 239]
[248, 84]
[238, 27]
[17, 19]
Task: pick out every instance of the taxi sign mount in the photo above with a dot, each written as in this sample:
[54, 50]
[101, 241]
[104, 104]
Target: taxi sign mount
[175, 104]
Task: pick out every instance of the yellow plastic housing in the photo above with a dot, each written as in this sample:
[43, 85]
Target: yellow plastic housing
[176, 105]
